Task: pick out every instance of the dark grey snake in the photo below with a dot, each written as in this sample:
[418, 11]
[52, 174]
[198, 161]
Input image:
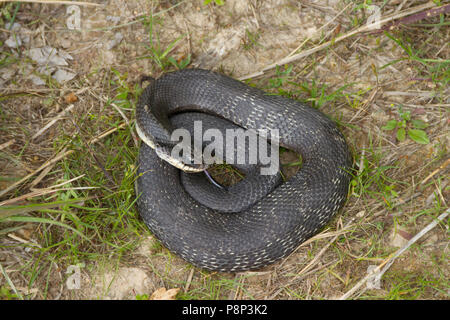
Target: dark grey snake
[282, 218]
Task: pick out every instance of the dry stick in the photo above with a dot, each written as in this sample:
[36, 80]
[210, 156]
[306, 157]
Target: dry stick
[414, 18]
[78, 3]
[52, 122]
[107, 133]
[19, 239]
[362, 29]
[233, 295]
[366, 103]
[189, 280]
[378, 272]
[254, 14]
[441, 167]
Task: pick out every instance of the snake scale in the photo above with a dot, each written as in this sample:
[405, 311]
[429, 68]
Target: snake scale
[273, 226]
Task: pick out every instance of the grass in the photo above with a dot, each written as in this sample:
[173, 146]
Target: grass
[100, 228]
[160, 55]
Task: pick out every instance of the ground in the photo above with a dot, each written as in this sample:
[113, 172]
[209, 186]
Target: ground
[69, 228]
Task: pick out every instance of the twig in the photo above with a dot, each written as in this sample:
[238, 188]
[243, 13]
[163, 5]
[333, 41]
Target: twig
[441, 167]
[17, 238]
[415, 17]
[124, 117]
[11, 284]
[106, 133]
[52, 122]
[233, 295]
[189, 280]
[378, 271]
[41, 176]
[77, 3]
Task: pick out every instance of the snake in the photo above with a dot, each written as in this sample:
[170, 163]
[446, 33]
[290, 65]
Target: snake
[259, 222]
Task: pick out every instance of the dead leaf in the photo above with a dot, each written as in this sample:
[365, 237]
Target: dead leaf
[399, 238]
[25, 233]
[419, 111]
[70, 98]
[63, 75]
[404, 234]
[164, 294]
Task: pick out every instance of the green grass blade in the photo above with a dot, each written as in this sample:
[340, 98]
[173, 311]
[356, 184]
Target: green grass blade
[42, 220]
[7, 211]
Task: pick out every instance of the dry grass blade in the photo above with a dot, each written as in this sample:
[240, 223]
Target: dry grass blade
[416, 17]
[19, 239]
[77, 3]
[58, 157]
[41, 193]
[189, 280]
[324, 249]
[106, 133]
[11, 284]
[52, 122]
[441, 167]
[7, 144]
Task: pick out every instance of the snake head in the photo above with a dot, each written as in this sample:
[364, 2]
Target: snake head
[184, 162]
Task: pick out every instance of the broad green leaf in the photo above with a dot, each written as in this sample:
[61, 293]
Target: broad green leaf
[401, 134]
[390, 125]
[406, 115]
[419, 124]
[418, 136]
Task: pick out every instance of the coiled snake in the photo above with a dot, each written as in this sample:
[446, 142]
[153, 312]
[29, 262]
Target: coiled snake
[281, 218]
